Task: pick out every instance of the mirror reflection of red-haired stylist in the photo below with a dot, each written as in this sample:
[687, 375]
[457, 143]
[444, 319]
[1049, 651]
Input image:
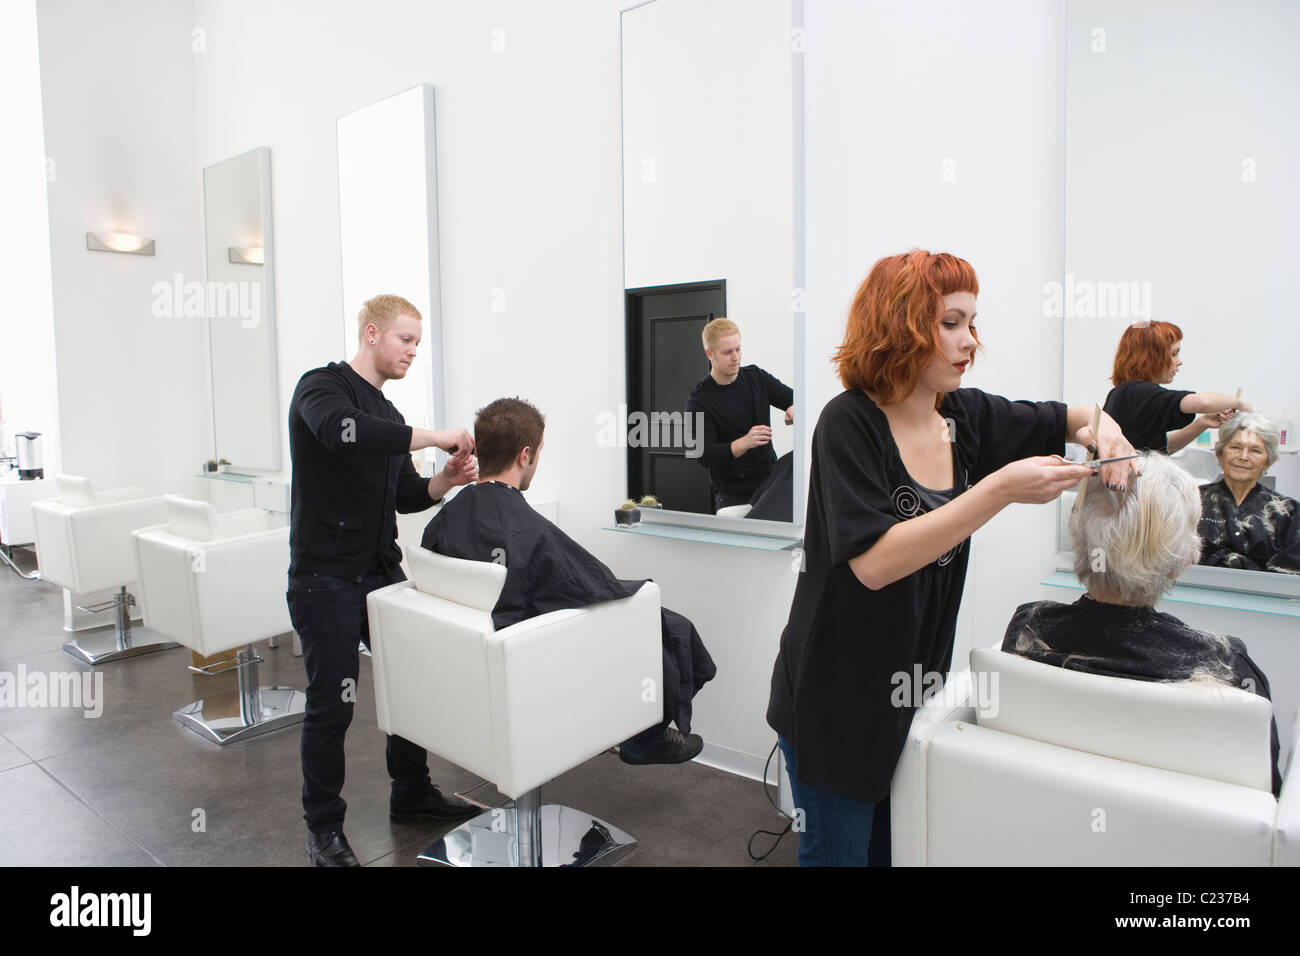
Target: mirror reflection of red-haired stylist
[906, 465]
[1152, 417]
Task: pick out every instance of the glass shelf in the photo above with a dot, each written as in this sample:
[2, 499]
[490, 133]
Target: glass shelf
[1205, 597]
[734, 539]
[234, 476]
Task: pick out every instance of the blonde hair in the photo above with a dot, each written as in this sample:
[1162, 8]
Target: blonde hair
[381, 310]
[717, 330]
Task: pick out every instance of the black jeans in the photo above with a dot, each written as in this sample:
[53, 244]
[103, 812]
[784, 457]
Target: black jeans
[330, 617]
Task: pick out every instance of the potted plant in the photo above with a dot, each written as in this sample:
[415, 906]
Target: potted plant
[223, 464]
[649, 501]
[627, 513]
[210, 466]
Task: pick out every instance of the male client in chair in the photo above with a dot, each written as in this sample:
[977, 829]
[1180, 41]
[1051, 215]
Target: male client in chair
[1129, 548]
[352, 473]
[546, 570]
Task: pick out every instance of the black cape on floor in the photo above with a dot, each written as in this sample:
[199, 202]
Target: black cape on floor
[546, 571]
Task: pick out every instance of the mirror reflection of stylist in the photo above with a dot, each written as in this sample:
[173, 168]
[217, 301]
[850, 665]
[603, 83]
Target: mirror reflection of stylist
[352, 473]
[734, 401]
[906, 465]
[1152, 417]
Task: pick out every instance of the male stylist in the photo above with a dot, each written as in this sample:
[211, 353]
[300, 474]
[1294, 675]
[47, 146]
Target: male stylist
[734, 401]
[352, 473]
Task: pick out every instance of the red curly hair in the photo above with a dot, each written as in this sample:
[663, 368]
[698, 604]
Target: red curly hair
[1144, 354]
[893, 327]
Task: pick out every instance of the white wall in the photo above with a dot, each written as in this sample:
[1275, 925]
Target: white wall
[119, 126]
[28, 393]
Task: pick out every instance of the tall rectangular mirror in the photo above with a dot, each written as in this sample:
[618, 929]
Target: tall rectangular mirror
[712, 228]
[1183, 205]
[388, 227]
[240, 310]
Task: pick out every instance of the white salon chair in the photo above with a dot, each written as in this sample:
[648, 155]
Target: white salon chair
[518, 706]
[1059, 767]
[734, 511]
[215, 583]
[83, 544]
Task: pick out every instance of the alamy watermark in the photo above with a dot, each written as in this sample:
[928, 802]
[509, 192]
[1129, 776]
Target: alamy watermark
[921, 688]
[639, 429]
[1086, 299]
[81, 690]
[212, 300]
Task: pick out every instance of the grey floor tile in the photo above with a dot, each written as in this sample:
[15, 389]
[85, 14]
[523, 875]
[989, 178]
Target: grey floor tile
[41, 824]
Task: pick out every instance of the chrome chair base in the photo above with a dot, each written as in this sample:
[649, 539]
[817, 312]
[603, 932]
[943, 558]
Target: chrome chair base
[568, 838]
[106, 648]
[222, 720]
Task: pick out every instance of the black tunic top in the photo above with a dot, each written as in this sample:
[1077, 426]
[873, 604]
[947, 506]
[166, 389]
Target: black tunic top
[730, 411]
[1260, 534]
[832, 687]
[1141, 643]
[1146, 413]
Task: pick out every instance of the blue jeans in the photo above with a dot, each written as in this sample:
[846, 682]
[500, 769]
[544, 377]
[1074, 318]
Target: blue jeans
[836, 830]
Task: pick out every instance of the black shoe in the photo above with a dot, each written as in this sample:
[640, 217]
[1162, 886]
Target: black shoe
[330, 849]
[673, 747]
[430, 805]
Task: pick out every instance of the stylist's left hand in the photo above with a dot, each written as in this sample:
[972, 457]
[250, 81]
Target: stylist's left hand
[461, 470]
[1109, 442]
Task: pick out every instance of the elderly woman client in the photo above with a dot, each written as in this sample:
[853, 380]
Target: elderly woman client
[1129, 548]
[1243, 524]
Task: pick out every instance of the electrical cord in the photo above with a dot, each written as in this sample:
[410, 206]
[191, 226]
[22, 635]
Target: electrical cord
[749, 848]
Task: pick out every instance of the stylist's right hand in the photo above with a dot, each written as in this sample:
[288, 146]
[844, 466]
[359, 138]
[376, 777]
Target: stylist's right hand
[456, 441]
[1036, 481]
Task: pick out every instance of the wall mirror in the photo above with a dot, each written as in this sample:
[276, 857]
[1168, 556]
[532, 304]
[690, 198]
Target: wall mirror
[1182, 204]
[712, 227]
[240, 311]
[388, 229]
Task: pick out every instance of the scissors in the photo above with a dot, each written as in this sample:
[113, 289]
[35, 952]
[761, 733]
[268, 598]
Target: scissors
[1096, 463]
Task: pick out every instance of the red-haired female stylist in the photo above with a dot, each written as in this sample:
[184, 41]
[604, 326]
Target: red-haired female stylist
[905, 466]
[1152, 417]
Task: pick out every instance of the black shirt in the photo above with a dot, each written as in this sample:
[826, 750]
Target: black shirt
[1146, 413]
[1260, 534]
[832, 685]
[1141, 643]
[352, 473]
[730, 411]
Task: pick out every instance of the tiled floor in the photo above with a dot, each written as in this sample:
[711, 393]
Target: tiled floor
[132, 788]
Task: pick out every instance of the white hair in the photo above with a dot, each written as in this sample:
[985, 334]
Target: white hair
[1252, 421]
[1133, 546]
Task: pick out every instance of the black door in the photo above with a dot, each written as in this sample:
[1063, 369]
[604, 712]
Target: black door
[665, 361]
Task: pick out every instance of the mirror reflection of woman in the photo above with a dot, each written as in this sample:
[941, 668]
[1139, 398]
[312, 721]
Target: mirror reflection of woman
[1155, 418]
[906, 465]
[1244, 524]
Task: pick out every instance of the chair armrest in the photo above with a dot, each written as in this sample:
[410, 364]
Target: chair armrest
[115, 495]
[1286, 836]
[246, 521]
[909, 791]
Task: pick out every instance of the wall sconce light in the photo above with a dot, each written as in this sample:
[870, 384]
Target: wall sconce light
[119, 242]
[247, 255]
